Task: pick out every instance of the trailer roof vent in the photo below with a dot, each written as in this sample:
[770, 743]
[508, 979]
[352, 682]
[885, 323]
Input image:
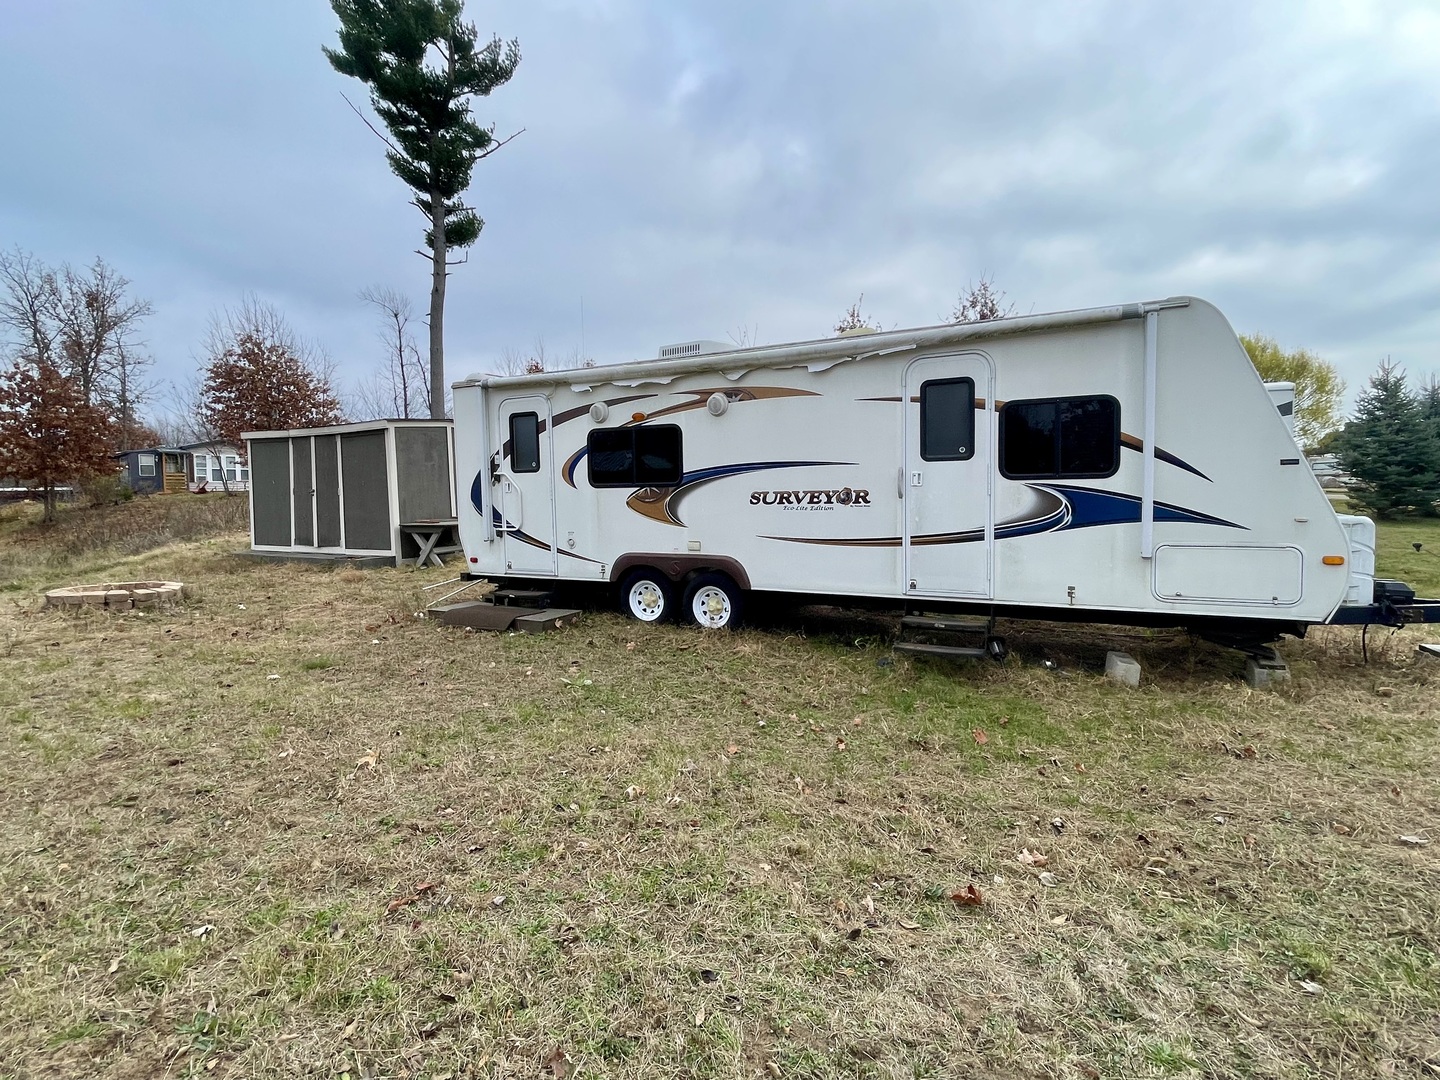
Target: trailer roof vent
[693, 348]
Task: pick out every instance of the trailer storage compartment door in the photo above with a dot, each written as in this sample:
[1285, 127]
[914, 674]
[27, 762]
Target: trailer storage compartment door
[1228, 574]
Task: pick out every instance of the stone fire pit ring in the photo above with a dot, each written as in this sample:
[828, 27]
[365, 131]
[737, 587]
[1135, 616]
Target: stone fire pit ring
[118, 595]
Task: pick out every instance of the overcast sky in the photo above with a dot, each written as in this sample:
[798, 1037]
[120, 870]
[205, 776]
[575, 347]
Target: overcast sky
[703, 170]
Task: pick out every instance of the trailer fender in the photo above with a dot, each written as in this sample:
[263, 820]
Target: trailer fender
[677, 566]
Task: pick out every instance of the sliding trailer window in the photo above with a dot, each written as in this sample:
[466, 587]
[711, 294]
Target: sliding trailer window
[635, 456]
[525, 442]
[1060, 438]
[947, 420]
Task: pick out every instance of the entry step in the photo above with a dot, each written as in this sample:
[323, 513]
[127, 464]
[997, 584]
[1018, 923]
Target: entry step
[956, 652]
[951, 625]
[535, 598]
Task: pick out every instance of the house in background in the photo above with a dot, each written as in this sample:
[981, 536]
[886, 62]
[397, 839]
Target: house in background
[154, 470]
[216, 467]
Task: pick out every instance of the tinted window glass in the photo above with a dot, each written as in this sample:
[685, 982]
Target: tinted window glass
[1089, 436]
[1027, 439]
[641, 456]
[611, 456]
[1060, 437]
[947, 420]
[657, 455]
[525, 442]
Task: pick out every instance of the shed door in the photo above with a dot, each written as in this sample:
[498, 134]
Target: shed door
[303, 492]
[365, 482]
[525, 487]
[270, 492]
[949, 521]
[327, 491]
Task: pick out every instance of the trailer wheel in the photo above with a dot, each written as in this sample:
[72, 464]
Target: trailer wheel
[647, 595]
[714, 602]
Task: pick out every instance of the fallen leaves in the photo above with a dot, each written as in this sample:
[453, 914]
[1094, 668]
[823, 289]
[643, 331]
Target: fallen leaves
[557, 1064]
[980, 737]
[1032, 858]
[1048, 879]
[969, 896]
[369, 760]
[405, 901]
[1413, 841]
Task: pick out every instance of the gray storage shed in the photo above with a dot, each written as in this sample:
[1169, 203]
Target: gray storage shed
[375, 490]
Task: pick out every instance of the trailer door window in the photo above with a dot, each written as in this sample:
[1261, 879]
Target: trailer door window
[1060, 438]
[525, 442]
[947, 419]
[638, 456]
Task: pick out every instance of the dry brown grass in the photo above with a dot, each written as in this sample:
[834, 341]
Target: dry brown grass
[670, 854]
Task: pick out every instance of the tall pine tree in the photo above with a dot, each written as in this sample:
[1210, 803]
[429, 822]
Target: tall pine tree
[423, 68]
[1391, 450]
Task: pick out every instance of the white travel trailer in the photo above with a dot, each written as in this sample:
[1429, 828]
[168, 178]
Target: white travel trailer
[1121, 464]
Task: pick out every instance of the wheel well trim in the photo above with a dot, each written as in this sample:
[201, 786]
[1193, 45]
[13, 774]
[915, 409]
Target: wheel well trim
[678, 567]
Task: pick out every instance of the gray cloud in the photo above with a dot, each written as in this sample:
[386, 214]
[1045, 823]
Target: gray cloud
[688, 169]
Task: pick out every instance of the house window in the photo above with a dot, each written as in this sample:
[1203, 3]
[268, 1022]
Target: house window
[635, 456]
[525, 442]
[200, 467]
[947, 419]
[1060, 438]
[146, 463]
[244, 475]
[229, 467]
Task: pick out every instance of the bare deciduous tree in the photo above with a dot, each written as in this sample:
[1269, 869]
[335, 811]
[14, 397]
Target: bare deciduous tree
[401, 385]
[853, 320]
[980, 302]
[29, 300]
[85, 323]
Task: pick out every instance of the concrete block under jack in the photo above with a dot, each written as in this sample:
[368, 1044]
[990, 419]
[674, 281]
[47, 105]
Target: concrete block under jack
[1122, 668]
[1260, 674]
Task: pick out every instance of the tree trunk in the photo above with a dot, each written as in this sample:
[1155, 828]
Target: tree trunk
[49, 515]
[437, 306]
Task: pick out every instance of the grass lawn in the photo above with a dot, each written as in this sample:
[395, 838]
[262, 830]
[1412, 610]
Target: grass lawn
[288, 828]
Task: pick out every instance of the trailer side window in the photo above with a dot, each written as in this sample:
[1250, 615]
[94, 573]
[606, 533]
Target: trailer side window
[636, 456]
[525, 442]
[1060, 437]
[947, 419]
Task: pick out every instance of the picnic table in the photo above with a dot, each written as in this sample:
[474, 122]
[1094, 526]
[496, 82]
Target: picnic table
[429, 534]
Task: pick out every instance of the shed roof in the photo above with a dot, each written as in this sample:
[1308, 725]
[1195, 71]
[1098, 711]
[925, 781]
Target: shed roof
[345, 429]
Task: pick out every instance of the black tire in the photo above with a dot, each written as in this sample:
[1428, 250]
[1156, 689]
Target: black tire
[714, 602]
[647, 596]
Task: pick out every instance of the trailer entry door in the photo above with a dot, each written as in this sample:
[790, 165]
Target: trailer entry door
[525, 487]
[949, 521]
